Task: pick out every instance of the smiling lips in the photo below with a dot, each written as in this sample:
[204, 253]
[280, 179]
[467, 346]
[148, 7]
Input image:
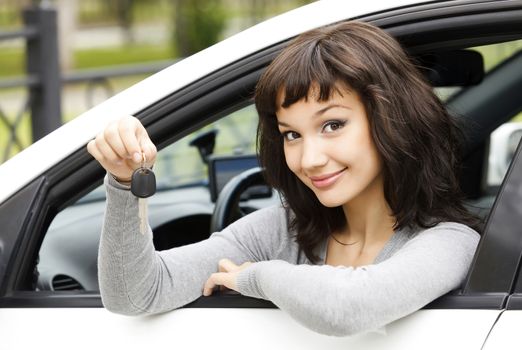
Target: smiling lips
[326, 180]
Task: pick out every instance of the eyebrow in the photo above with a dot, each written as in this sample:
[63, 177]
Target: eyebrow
[319, 112]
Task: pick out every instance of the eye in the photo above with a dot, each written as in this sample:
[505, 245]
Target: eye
[333, 125]
[290, 135]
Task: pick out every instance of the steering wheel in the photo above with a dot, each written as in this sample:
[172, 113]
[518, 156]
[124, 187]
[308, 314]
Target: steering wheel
[227, 203]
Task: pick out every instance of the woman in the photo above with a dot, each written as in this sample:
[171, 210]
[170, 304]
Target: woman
[372, 226]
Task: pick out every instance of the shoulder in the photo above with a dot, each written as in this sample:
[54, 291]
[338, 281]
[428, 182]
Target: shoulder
[445, 239]
[449, 230]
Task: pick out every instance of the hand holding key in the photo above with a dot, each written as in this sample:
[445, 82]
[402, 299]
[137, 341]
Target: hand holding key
[120, 148]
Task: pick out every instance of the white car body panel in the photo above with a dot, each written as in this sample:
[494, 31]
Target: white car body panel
[506, 333]
[262, 329]
[36, 159]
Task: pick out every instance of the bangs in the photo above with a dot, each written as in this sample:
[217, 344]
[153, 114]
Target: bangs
[300, 72]
[311, 77]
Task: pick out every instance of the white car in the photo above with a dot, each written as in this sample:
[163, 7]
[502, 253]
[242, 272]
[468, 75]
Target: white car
[51, 202]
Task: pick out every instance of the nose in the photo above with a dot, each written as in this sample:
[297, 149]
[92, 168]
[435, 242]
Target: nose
[313, 154]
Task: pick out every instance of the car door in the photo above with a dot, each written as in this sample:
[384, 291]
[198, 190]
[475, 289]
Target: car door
[32, 318]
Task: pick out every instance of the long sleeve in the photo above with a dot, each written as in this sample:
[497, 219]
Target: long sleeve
[136, 279]
[344, 300]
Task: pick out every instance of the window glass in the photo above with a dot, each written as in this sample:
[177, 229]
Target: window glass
[180, 164]
[503, 140]
[501, 143]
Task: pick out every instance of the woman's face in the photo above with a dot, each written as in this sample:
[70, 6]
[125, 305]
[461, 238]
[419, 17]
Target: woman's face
[328, 146]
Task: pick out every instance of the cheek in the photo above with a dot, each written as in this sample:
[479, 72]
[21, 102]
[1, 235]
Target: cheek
[374, 157]
[291, 158]
[364, 140]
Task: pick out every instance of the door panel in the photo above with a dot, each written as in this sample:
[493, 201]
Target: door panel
[230, 329]
[506, 333]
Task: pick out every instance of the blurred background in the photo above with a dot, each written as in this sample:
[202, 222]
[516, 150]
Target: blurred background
[86, 51]
[59, 58]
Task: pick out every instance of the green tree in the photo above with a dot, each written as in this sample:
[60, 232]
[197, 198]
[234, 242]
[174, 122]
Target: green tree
[197, 25]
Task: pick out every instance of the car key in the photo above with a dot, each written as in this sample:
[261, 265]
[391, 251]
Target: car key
[143, 185]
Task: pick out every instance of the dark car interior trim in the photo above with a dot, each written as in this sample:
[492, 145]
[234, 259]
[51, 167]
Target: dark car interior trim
[231, 299]
[51, 299]
[514, 302]
[16, 215]
[484, 301]
[492, 263]
[213, 93]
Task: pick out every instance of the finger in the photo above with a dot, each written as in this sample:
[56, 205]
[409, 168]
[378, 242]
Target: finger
[226, 265]
[209, 286]
[149, 149]
[112, 137]
[216, 279]
[106, 150]
[95, 152]
[128, 130]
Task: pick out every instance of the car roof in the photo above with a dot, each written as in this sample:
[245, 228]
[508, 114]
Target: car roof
[48, 151]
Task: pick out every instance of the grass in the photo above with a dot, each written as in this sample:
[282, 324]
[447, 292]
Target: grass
[120, 55]
[12, 61]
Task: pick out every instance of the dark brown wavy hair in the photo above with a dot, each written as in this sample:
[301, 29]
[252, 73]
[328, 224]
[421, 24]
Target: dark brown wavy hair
[414, 134]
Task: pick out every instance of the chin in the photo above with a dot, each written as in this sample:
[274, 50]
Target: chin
[332, 202]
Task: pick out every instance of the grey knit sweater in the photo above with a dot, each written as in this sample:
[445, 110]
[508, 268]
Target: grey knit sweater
[412, 269]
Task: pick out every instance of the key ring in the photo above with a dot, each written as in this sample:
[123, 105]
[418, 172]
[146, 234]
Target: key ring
[143, 159]
[144, 162]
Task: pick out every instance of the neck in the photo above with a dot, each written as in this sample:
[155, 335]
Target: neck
[369, 216]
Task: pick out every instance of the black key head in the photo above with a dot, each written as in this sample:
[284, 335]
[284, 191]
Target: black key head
[143, 183]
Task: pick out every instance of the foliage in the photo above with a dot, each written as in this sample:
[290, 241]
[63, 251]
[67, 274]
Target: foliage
[198, 24]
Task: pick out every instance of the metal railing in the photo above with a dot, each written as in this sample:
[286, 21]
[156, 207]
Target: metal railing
[43, 75]
[44, 79]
